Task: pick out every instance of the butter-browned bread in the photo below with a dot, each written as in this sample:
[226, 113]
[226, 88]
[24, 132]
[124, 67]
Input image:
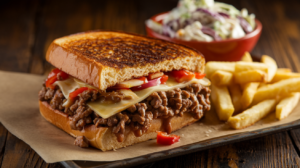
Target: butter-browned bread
[102, 137]
[105, 58]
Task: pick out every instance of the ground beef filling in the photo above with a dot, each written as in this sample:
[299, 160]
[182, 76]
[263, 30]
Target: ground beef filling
[81, 141]
[164, 104]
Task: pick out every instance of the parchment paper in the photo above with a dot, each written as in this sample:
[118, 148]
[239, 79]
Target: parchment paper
[19, 113]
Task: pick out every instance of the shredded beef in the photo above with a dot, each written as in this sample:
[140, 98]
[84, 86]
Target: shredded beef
[164, 104]
[100, 122]
[42, 94]
[49, 94]
[82, 115]
[114, 96]
[57, 100]
[81, 141]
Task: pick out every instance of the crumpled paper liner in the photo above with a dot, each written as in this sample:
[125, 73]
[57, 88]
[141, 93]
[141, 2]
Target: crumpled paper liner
[19, 113]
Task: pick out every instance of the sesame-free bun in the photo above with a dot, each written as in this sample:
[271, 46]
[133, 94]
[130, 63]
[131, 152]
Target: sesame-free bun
[105, 58]
[102, 137]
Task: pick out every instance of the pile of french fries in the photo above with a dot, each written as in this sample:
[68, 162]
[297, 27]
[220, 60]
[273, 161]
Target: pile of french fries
[244, 92]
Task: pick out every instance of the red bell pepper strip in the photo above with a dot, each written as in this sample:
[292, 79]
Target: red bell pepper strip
[164, 139]
[75, 93]
[54, 72]
[182, 75]
[199, 75]
[50, 81]
[52, 77]
[164, 79]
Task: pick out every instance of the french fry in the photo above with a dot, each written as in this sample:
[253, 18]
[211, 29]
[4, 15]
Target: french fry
[236, 94]
[243, 86]
[248, 94]
[221, 78]
[284, 75]
[213, 66]
[272, 66]
[262, 85]
[286, 105]
[222, 102]
[284, 70]
[250, 76]
[247, 57]
[252, 88]
[252, 115]
[275, 90]
[245, 66]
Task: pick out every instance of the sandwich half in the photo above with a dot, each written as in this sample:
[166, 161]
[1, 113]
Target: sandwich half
[112, 89]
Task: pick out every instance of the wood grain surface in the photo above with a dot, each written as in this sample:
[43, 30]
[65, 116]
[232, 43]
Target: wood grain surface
[28, 27]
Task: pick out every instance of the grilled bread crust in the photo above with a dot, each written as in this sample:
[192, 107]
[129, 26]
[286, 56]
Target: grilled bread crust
[102, 137]
[105, 58]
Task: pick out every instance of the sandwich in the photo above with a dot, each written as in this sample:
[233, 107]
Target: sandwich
[112, 89]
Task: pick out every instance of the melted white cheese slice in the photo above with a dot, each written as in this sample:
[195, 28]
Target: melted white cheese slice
[105, 109]
[67, 86]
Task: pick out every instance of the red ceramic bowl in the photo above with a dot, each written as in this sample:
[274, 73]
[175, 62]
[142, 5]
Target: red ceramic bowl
[224, 50]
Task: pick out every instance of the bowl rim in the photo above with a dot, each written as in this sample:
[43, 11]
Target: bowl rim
[255, 32]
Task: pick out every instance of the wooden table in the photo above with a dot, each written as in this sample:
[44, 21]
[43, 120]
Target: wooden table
[27, 29]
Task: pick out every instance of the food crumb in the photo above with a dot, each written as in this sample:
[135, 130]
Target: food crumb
[81, 141]
[208, 131]
[206, 135]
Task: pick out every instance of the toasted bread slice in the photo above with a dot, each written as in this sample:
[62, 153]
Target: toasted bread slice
[105, 58]
[102, 137]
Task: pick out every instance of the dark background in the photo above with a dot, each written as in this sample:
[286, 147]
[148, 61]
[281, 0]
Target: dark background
[28, 27]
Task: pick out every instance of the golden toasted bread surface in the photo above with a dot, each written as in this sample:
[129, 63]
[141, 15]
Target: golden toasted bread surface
[112, 57]
[102, 137]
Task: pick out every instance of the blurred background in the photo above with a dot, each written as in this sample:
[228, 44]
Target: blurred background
[28, 27]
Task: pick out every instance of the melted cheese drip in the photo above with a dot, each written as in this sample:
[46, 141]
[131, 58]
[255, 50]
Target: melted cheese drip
[105, 109]
[67, 86]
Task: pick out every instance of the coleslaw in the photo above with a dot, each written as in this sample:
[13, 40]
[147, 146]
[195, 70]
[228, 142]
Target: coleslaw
[204, 20]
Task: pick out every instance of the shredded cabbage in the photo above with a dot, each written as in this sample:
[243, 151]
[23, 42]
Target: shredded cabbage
[205, 20]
